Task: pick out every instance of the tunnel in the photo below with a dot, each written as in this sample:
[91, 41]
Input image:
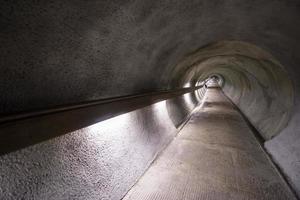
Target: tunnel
[164, 99]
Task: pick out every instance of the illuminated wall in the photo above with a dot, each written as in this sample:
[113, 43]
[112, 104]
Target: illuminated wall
[101, 161]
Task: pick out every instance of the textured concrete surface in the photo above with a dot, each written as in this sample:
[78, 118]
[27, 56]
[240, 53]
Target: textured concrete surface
[261, 87]
[101, 161]
[60, 52]
[180, 108]
[254, 80]
[20, 131]
[215, 156]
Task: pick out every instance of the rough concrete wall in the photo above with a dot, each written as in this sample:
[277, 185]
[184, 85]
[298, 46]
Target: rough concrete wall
[285, 148]
[59, 52]
[180, 108]
[101, 161]
[261, 87]
[214, 157]
[255, 81]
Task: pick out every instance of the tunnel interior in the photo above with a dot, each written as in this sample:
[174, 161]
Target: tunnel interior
[257, 83]
[62, 61]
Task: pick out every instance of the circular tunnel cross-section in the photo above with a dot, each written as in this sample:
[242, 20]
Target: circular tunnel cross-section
[254, 80]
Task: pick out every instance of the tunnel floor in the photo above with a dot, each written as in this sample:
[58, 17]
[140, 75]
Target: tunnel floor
[215, 156]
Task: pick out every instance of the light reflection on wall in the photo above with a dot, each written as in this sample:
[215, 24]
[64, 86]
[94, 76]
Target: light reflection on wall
[186, 85]
[163, 118]
[135, 133]
[161, 108]
[200, 93]
[108, 156]
[118, 128]
[188, 101]
[113, 128]
[110, 128]
[199, 83]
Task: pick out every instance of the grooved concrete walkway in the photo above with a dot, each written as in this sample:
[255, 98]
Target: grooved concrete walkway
[215, 156]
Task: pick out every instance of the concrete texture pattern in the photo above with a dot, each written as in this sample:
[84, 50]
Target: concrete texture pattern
[101, 161]
[215, 156]
[254, 80]
[63, 52]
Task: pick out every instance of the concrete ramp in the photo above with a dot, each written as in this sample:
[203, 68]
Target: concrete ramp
[215, 156]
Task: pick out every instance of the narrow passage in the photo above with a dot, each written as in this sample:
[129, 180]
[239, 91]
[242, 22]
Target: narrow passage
[215, 156]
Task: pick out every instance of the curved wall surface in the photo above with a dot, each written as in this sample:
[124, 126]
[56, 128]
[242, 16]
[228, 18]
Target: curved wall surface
[101, 161]
[56, 53]
[261, 87]
[257, 83]
[64, 52]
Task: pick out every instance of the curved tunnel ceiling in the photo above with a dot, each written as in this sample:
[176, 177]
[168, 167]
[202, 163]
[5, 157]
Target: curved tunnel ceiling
[256, 82]
[64, 52]
[58, 53]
